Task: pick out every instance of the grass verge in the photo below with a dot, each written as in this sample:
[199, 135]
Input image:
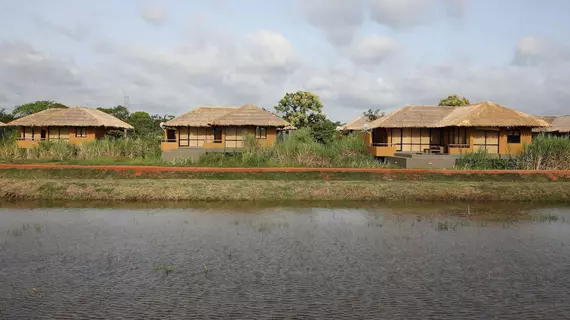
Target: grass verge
[258, 190]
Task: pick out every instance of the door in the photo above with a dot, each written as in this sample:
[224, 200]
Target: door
[43, 134]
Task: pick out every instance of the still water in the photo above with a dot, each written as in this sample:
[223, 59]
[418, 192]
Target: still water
[311, 261]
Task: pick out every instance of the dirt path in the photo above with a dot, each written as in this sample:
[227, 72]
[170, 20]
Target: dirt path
[565, 173]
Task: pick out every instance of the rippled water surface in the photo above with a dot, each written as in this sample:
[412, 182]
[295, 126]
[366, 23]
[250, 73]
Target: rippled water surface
[235, 262]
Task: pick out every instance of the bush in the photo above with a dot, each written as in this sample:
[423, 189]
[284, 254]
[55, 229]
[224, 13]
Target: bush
[545, 153]
[61, 150]
[299, 149]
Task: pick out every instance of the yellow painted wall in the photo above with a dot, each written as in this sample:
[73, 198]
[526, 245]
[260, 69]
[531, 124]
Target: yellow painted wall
[514, 148]
[27, 142]
[209, 144]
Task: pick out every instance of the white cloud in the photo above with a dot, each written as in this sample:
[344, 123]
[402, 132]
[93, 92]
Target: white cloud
[338, 19]
[152, 12]
[533, 51]
[373, 49]
[401, 14]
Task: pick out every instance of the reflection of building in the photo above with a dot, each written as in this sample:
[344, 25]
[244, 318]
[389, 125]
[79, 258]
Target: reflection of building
[559, 126]
[452, 130]
[219, 129]
[75, 124]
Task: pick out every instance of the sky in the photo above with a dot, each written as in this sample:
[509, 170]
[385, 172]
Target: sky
[169, 56]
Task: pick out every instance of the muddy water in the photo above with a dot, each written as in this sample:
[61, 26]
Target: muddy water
[286, 262]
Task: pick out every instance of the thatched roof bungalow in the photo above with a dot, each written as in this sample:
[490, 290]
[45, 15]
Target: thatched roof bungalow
[75, 124]
[358, 124]
[221, 127]
[559, 125]
[442, 129]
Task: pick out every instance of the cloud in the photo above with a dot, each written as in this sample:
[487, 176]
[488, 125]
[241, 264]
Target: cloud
[152, 13]
[338, 19]
[403, 14]
[373, 49]
[534, 51]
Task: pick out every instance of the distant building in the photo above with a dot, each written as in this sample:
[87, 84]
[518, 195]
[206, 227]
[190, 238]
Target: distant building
[559, 126]
[75, 124]
[452, 130]
[219, 129]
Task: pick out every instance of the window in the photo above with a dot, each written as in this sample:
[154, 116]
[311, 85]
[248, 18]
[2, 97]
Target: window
[261, 133]
[81, 132]
[171, 135]
[513, 136]
[217, 135]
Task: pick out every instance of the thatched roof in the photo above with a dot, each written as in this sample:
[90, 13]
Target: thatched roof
[485, 114]
[70, 117]
[356, 124]
[557, 124]
[2, 124]
[413, 117]
[247, 115]
[200, 117]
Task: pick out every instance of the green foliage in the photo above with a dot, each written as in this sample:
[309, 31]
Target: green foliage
[373, 114]
[301, 109]
[103, 150]
[299, 149]
[119, 112]
[545, 153]
[455, 101]
[143, 123]
[482, 160]
[324, 131]
[5, 117]
[30, 108]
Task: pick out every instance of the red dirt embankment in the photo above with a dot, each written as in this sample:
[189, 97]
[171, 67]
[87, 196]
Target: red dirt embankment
[550, 173]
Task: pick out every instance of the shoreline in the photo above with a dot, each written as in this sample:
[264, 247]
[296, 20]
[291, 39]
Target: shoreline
[280, 190]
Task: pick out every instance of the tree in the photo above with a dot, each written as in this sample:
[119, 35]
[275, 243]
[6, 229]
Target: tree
[5, 117]
[373, 114]
[30, 108]
[324, 131]
[301, 109]
[143, 123]
[454, 101]
[119, 112]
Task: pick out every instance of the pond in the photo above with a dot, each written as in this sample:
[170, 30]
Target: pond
[284, 261]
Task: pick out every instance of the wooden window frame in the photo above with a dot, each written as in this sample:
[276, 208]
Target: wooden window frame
[78, 133]
[218, 130]
[511, 133]
[261, 133]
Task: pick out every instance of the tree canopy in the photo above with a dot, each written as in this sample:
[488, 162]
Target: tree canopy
[5, 117]
[301, 109]
[373, 114]
[454, 101]
[119, 112]
[33, 107]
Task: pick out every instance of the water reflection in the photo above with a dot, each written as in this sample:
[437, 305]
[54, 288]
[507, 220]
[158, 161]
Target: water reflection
[292, 261]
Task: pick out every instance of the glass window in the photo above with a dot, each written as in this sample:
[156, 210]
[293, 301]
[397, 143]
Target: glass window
[80, 132]
[217, 135]
[261, 133]
[513, 136]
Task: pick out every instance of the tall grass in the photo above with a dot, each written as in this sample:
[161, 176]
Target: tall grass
[544, 153]
[104, 150]
[299, 149]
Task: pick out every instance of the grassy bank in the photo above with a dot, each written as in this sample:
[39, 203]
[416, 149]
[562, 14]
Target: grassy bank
[228, 190]
[138, 172]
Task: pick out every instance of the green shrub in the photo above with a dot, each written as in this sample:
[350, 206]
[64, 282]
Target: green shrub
[544, 153]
